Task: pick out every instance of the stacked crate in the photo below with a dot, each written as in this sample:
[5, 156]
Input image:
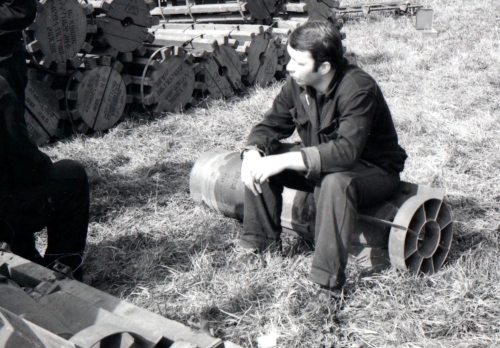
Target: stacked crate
[91, 59]
[217, 11]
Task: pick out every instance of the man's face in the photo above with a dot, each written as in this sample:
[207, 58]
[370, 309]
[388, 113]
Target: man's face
[301, 68]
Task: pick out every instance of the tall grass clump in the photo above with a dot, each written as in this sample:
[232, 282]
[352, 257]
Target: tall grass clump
[150, 244]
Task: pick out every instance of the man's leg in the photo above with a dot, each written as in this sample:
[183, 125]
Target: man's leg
[261, 217]
[337, 197]
[262, 213]
[68, 220]
[61, 204]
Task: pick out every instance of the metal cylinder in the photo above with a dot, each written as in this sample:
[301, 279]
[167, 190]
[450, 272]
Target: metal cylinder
[215, 181]
[411, 230]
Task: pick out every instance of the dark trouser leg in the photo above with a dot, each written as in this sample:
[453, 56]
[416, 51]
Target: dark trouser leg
[337, 197]
[261, 218]
[68, 223]
[262, 213]
[61, 204]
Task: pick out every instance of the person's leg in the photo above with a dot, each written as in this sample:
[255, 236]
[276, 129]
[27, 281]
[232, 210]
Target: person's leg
[68, 220]
[62, 205]
[262, 213]
[337, 197]
[25, 212]
[261, 217]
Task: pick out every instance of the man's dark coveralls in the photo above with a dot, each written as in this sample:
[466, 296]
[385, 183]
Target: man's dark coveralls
[34, 192]
[350, 148]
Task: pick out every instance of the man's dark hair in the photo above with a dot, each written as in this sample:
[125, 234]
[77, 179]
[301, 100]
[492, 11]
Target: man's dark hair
[320, 38]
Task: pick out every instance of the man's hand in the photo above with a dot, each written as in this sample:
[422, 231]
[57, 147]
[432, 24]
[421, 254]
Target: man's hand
[256, 170]
[250, 160]
[269, 166]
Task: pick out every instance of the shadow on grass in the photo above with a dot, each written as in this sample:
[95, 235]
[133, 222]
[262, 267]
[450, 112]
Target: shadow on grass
[141, 188]
[135, 258]
[464, 210]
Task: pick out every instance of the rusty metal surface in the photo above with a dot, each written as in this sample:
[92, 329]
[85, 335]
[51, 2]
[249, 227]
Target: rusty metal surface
[16, 332]
[14, 299]
[110, 336]
[91, 314]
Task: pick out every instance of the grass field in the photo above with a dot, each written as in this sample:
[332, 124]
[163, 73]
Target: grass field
[150, 244]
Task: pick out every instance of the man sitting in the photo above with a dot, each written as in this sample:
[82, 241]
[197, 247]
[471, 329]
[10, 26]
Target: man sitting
[349, 156]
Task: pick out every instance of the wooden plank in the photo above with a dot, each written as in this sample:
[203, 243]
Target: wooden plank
[233, 34]
[299, 18]
[188, 40]
[375, 4]
[366, 8]
[14, 299]
[296, 7]
[142, 318]
[253, 28]
[287, 24]
[164, 25]
[197, 9]
[207, 18]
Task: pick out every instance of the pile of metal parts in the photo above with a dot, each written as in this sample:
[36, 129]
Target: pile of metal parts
[40, 307]
[163, 55]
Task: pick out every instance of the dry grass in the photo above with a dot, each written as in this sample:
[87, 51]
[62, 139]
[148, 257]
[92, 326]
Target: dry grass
[150, 244]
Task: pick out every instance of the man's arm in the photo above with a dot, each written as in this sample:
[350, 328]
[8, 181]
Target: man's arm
[255, 170]
[264, 139]
[344, 149]
[16, 15]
